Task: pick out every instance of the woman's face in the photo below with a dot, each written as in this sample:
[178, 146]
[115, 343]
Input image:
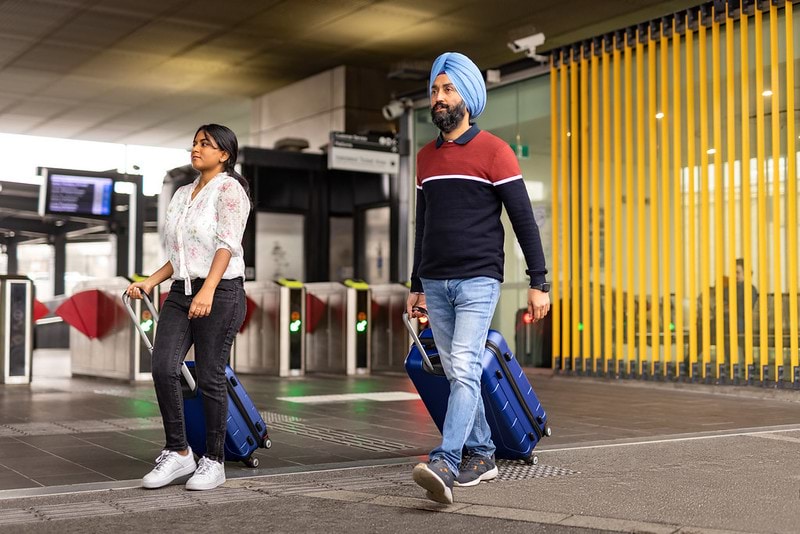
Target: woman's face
[206, 154]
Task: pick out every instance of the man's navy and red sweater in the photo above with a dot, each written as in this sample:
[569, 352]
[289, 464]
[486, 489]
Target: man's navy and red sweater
[461, 188]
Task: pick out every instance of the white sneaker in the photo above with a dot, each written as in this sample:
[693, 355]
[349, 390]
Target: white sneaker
[209, 475]
[169, 466]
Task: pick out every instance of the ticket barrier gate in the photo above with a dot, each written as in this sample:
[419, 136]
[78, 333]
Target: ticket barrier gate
[325, 327]
[103, 342]
[389, 338]
[273, 341]
[337, 327]
[16, 326]
[359, 333]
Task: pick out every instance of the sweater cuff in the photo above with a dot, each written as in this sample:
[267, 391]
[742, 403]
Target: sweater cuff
[416, 285]
[538, 280]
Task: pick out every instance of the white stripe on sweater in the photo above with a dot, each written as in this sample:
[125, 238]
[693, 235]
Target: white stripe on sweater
[471, 178]
[506, 180]
[457, 177]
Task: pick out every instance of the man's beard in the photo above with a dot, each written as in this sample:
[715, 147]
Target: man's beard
[448, 120]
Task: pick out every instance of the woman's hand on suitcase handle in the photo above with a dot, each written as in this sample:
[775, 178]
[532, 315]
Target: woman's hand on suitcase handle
[538, 304]
[201, 303]
[415, 305]
[134, 290]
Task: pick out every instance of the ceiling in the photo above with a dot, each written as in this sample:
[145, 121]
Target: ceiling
[149, 71]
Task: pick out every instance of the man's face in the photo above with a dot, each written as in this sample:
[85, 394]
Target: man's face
[447, 107]
[739, 273]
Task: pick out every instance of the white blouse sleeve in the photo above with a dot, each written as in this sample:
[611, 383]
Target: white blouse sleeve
[233, 207]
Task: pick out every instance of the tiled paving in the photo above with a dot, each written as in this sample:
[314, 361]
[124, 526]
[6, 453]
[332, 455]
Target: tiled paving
[62, 430]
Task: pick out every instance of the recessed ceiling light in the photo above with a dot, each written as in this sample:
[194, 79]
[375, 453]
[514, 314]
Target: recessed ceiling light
[711, 151]
[659, 115]
[766, 92]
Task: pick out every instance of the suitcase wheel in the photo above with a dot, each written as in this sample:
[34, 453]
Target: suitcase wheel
[267, 443]
[532, 460]
[251, 462]
[548, 431]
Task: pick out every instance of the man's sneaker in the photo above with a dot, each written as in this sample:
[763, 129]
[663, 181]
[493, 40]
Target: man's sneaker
[437, 478]
[476, 469]
[209, 475]
[169, 466]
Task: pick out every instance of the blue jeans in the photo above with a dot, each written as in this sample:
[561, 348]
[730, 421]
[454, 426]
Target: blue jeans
[460, 312]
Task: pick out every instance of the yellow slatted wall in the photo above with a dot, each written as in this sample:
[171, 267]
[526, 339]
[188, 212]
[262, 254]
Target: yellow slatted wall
[674, 201]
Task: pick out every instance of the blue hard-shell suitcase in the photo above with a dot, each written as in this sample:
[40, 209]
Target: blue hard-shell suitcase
[245, 428]
[516, 417]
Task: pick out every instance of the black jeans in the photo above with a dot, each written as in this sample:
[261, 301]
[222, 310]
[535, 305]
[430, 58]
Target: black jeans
[212, 337]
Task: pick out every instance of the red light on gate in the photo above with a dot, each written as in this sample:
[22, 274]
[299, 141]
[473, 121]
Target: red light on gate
[295, 316]
[361, 316]
[527, 318]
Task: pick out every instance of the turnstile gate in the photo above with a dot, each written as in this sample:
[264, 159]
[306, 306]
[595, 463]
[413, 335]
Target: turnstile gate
[16, 318]
[273, 340]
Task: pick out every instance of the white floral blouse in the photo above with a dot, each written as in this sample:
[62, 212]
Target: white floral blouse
[195, 229]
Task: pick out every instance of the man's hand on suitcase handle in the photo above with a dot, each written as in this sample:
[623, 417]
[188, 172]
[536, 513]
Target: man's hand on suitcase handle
[415, 305]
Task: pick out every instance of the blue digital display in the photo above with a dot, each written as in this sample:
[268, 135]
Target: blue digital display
[79, 195]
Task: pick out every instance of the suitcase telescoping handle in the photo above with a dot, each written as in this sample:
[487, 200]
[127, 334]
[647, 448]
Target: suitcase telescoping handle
[420, 347]
[126, 300]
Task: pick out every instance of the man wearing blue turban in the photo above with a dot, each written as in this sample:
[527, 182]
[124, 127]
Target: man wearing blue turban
[464, 179]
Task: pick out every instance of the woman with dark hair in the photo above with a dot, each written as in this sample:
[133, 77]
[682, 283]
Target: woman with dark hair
[205, 307]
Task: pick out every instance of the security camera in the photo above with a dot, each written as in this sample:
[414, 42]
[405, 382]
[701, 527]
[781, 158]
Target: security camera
[395, 109]
[528, 45]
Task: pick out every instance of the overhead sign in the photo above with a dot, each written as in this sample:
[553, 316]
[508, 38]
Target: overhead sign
[363, 153]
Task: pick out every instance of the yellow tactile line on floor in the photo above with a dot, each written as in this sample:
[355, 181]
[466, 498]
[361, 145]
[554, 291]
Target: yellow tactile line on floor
[516, 514]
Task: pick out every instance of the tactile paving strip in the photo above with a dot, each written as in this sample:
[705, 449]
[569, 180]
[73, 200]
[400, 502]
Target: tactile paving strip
[79, 427]
[272, 417]
[518, 470]
[340, 437]
[275, 421]
[286, 485]
[241, 489]
[76, 510]
[278, 486]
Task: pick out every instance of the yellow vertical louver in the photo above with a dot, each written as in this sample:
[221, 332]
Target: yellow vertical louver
[675, 198]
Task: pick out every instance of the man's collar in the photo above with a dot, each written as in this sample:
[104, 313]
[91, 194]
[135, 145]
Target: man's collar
[463, 139]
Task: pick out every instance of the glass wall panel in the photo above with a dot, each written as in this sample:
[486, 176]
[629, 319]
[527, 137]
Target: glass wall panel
[89, 260]
[38, 264]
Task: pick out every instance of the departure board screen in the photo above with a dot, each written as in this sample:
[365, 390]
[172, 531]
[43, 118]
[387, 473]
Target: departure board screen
[88, 196]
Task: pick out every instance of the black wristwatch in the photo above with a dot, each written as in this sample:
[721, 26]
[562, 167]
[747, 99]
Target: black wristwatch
[545, 287]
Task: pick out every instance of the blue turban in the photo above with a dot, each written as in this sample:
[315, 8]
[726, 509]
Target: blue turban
[465, 76]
